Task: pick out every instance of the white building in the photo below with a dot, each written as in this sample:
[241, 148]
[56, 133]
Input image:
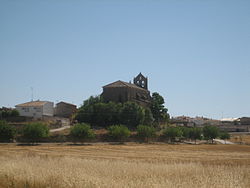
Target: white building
[36, 109]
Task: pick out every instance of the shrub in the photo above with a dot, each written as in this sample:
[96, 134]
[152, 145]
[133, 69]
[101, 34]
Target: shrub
[118, 132]
[145, 132]
[7, 132]
[172, 133]
[34, 132]
[82, 132]
[224, 136]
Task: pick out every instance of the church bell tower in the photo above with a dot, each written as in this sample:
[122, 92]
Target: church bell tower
[141, 81]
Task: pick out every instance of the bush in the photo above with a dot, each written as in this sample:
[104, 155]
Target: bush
[118, 132]
[145, 132]
[82, 132]
[224, 136]
[34, 132]
[172, 133]
[7, 132]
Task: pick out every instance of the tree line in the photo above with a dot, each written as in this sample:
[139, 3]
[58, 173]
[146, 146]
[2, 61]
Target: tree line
[97, 113]
[81, 132]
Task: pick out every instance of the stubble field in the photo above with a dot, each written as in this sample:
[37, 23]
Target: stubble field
[130, 165]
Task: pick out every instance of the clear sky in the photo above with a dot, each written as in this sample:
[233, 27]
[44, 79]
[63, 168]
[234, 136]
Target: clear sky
[195, 53]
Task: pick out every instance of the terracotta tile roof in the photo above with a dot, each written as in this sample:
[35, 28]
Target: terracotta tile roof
[120, 83]
[32, 103]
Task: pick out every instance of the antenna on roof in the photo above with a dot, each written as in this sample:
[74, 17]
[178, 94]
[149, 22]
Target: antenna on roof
[31, 93]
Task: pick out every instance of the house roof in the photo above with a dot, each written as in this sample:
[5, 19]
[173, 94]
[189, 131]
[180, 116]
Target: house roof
[32, 103]
[66, 103]
[120, 83]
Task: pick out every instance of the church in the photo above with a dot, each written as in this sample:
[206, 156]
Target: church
[121, 91]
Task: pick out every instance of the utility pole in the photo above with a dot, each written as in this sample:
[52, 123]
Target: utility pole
[31, 93]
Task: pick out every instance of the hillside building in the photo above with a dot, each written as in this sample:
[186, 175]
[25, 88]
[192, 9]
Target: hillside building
[121, 91]
[36, 109]
[65, 110]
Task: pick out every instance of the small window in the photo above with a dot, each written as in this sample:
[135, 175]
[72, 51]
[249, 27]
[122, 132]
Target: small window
[26, 109]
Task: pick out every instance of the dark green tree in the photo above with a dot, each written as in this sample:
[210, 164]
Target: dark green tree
[172, 133]
[148, 118]
[7, 132]
[195, 133]
[14, 113]
[85, 114]
[132, 114]
[92, 100]
[210, 132]
[185, 132]
[34, 132]
[96, 113]
[106, 114]
[160, 113]
[7, 112]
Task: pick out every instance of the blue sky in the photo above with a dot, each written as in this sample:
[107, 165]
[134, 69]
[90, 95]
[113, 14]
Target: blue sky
[195, 53]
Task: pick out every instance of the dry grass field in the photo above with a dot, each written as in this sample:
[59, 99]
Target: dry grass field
[241, 138]
[130, 165]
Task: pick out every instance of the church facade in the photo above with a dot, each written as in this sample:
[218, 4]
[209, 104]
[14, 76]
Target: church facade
[121, 91]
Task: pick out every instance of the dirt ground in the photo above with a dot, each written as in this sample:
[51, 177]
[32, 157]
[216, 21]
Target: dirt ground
[240, 138]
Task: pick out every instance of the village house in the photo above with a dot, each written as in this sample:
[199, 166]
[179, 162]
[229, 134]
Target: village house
[121, 91]
[36, 109]
[65, 110]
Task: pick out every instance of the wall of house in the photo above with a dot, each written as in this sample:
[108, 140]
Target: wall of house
[48, 109]
[64, 110]
[30, 111]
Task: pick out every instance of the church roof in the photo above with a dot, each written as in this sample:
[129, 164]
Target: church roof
[120, 83]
